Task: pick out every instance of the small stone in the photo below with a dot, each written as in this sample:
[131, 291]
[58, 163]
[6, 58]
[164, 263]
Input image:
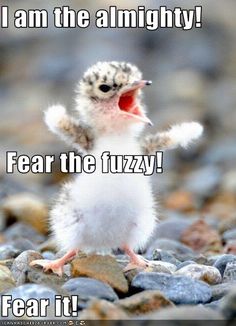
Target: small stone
[165, 256]
[228, 224]
[230, 272]
[103, 268]
[87, 288]
[200, 236]
[203, 181]
[229, 235]
[208, 274]
[228, 304]
[20, 266]
[230, 247]
[27, 208]
[220, 290]
[22, 230]
[48, 255]
[174, 247]
[160, 267]
[222, 261]
[6, 279]
[185, 263]
[36, 291]
[103, 310]
[185, 313]
[179, 289]
[180, 200]
[8, 251]
[144, 302]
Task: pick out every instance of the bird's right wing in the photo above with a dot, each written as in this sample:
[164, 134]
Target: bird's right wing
[68, 128]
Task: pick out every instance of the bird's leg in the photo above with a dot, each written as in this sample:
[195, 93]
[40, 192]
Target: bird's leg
[56, 266]
[136, 261]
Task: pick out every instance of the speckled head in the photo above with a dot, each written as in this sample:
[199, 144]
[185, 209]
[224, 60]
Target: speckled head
[114, 88]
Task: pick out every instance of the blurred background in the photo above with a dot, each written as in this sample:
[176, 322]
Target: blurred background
[194, 78]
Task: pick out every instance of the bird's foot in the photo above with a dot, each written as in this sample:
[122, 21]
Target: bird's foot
[136, 262]
[56, 266]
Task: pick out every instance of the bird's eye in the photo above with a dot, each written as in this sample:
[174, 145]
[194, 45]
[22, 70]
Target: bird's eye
[104, 88]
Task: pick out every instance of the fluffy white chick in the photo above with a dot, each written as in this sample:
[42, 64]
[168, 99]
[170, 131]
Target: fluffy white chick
[108, 211]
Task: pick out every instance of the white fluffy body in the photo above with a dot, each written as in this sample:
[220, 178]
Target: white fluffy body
[104, 211]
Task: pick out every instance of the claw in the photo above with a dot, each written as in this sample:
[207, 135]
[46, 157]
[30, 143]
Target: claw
[49, 265]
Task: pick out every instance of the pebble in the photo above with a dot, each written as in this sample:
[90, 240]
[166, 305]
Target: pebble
[87, 288]
[172, 228]
[20, 266]
[228, 306]
[222, 261]
[36, 291]
[6, 279]
[203, 181]
[185, 263]
[220, 290]
[180, 201]
[144, 302]
[229, 235]
[179, 289]
[230, 272]
[27, 208]
[103, 310]
[200, 236]
[165, 256]
[174, 247]
[22, 230]
[161, 267]
[103, 268]
[187, 313]
[208, 274]
[8, 251]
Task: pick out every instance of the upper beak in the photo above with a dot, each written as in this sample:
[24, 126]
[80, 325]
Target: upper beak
[130, 91]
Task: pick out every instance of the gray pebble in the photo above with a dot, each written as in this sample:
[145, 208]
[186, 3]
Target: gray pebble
[179, 289]
[229, 235]
[222, 261]
[20, 266]
[22, 230]
[86, 288]
[230, 272]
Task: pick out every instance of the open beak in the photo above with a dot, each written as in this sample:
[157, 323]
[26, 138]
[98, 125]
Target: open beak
[128, 103]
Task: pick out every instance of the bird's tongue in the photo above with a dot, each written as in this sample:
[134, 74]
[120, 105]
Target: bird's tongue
[127, 104]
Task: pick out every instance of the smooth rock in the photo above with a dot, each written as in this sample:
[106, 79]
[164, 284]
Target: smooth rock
[87, 288]
[8, 251]
[180, 201]
[228, 224]
[200, 236]
[230, 247]
[103, 268]
[189, 313]
[229, 235]
[103, 310]
[36, 291]
[208, 274]
[161, 267]
[171, 228]
[222, 261]
[144, 302]
[179, 289]
[6, 279]
[165, 256]
[22, 230]
[174, 247]
[20, 266]
[230, 272]
[27, 208]
[185, 263]
[204, 181]
[228, 304]
[220, 290]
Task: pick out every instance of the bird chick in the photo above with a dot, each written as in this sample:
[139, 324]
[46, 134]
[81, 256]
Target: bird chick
[96, 212]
